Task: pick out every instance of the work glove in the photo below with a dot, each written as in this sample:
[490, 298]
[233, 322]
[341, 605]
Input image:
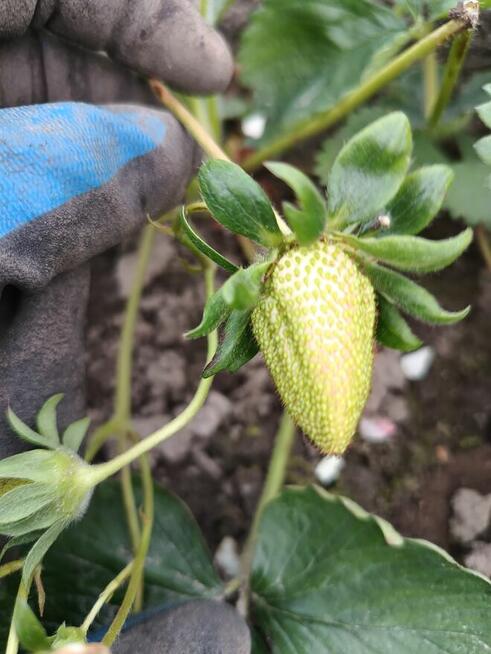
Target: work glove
[76, 179]
[197, 627]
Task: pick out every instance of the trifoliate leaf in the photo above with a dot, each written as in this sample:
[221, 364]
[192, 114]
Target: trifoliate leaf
[392, 330]
[25, 432]
[47, 422]
[75, 433]
[328, 578]
[238, 203]
[410, 297]
[309, 221]
[418, 200]
[301, 56]
[237, 347]
[369, 170]
[412, 253]
[202, 246]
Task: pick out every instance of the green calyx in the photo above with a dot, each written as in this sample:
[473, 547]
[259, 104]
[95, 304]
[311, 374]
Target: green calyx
[332, 280]
[43, 490]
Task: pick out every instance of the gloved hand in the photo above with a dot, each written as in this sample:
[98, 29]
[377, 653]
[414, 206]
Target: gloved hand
[197, 627]
[75, 179]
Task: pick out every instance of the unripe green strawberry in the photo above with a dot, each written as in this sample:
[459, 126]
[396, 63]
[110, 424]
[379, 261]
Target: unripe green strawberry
[315, 326]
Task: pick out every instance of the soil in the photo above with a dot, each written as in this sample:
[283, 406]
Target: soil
[217, 464]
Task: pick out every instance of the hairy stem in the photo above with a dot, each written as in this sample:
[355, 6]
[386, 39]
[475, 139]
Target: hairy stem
[194, 127]
[453, 68]
[122, 400]
[137, 571]
[104, 470]
[106, 595]
[484, 243]
[9, 568]
[430, 77]
[354, 99]
[13, 640]
[274, 481]
[122, 408]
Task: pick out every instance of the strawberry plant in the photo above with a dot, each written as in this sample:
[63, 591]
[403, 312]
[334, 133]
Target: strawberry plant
[330, 278]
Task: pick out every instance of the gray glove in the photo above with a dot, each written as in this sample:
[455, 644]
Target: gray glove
[166, 39]
[198, 627]
[76, 179]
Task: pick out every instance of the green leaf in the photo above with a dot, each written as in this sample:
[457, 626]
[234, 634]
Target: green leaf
[92, 552]
[237, 347]
[34, 466]
[47, 422]
[242, 290]
[26, 433]
[238, 203]
[39, 549]
[333, 145]
[331, 579]
[25, 500]
[484, 111]
[412, 253]
[470, 196]
[25, 539]
[8, 591]
[410, 297]
[75, 433]
[392, 330]
[31, 633]
[301, 56]
[418, 200]
[369, 170]
[201, 246]
[428, 9]
[216, 311]
[483, 148]
[309, 221]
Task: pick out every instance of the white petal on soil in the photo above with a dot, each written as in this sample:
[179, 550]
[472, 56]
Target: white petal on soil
[328, 469]
[377, 429]
[253, 126]
[227, 557]
[416, 365]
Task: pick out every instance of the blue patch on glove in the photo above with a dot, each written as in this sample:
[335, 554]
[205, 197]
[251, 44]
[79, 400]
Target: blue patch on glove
[52, 153]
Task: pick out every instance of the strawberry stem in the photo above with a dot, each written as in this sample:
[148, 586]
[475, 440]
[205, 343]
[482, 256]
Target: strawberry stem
[453, 68]
[323, 121]
[275, 479]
